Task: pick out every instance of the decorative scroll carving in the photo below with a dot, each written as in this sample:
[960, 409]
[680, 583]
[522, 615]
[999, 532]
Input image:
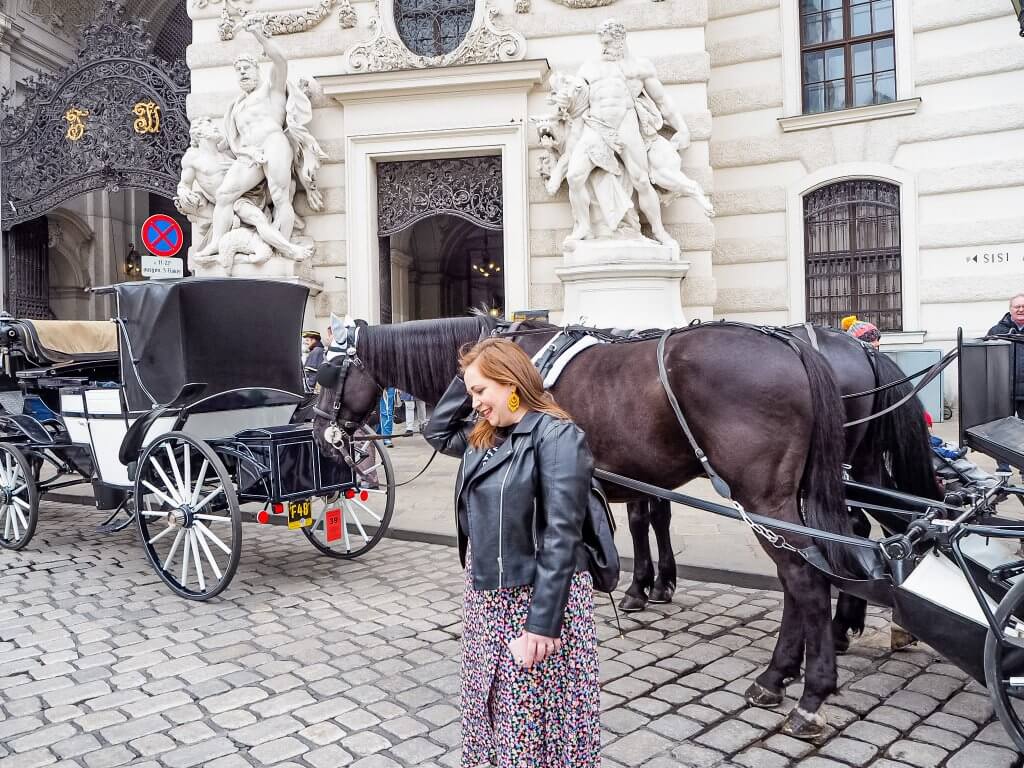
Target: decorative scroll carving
[485, 42]
[114, 69]
[199, 4]
[585, 3]
[64, 16]
[523, 6]
[280, 23]
[411, 190]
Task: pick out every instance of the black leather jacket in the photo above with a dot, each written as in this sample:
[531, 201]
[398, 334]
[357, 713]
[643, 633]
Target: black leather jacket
[525, 506]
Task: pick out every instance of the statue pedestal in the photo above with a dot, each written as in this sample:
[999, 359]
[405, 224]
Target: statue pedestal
[623, 284]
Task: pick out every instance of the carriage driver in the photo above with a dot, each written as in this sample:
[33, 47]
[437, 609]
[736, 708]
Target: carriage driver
[314, 358]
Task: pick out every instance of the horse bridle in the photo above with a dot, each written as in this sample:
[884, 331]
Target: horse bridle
[349, 361]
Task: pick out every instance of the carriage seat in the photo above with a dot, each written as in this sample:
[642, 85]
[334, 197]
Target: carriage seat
[1002, 439]
[47, 342]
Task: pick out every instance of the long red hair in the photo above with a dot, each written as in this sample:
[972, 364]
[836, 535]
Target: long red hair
[505, 362]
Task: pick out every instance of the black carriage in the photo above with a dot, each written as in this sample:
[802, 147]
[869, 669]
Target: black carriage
[179, 412]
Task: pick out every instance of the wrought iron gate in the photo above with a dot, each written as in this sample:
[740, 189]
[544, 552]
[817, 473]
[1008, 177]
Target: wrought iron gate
[114, 118]
[27, 287]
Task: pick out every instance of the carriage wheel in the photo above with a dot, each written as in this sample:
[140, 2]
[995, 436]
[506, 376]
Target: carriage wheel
[19, 498]
[365, 511]
[1004, 664]
[188, 515]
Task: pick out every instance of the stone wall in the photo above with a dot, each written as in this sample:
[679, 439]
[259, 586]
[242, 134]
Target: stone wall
[958, 153]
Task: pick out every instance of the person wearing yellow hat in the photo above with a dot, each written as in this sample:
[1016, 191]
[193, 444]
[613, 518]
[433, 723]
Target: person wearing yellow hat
[863, 330]
[314, 358]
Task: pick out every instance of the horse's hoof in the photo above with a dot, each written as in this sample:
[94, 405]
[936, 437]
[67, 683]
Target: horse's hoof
[662, 593]
[632, 603]
[804, 725]
[759, 696]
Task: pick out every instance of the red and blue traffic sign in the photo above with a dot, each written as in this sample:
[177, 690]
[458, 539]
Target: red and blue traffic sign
[162, 235]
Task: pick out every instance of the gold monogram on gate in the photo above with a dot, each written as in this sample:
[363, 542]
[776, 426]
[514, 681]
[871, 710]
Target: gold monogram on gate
[148, 117]
[76, 127]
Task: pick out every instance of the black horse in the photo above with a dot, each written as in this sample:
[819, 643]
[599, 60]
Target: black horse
[767, 414]
[890, 451]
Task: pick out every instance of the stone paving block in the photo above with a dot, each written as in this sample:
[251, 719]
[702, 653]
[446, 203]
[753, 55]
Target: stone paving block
[787, 745]
[731, 736]
[404, 727]
[153, 744]
[873, 733]
[635, 748]
[199, 754]
[33, 759]
[675, 728]
[916, 753]
[75, 746]
[983, 756]
[973, 706]
[109, 757]
[278, 750]
[331, 756]
[134, 729]
[365, 743]
[757, 757]
[849, 751]
[694, 756]
[42, 737]
[621, 720]
[267, 730]
[416, 750]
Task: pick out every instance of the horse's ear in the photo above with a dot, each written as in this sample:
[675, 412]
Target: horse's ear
[362, 323]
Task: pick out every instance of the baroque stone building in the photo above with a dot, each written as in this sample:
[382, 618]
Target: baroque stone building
[862, 155]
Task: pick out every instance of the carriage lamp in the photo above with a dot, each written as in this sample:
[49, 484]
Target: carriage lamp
[1019, 10]
[132, 262]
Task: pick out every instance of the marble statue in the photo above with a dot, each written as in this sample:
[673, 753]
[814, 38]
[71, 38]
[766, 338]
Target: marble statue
[606, 142]
[239, 180]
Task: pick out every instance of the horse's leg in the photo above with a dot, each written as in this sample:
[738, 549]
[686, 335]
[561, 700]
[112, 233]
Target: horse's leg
[820, 677]
[769, 688]
[635, 599]
[850, 611]
[661, 520]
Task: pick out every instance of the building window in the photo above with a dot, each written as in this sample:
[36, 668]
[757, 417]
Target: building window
[848, 55]
[852, 248]
[433, 27]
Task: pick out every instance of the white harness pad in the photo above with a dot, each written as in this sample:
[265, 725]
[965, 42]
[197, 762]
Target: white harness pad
[564, 359]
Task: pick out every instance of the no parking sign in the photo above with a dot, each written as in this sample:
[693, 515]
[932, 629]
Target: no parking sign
[162, 235]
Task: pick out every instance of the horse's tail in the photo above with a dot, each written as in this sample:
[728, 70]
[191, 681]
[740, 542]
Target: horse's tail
[899, 439]
[824, 500]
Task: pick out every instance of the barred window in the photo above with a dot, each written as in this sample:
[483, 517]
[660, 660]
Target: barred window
[848, 55]
[433, 27]
[852, 249]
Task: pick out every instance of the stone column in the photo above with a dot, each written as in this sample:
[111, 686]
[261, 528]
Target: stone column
[401, 297]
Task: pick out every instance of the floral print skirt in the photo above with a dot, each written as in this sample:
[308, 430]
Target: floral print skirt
[544, 717]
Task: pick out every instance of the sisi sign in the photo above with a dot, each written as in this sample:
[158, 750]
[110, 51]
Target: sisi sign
[163, 238]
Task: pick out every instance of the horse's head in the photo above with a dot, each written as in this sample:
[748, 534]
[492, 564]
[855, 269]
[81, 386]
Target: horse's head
[348, 393]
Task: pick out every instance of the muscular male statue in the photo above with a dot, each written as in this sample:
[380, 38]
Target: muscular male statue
[628, 106]
[254, 131]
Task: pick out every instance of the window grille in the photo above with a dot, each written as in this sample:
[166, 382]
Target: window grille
[433, 27]
[852, 247]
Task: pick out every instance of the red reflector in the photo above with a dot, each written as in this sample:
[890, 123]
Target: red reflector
[332, 524]
[278, 508]
[364, 495]
[262, 517]
[350, 494]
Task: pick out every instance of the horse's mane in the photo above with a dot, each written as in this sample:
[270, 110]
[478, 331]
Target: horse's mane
[420, 357]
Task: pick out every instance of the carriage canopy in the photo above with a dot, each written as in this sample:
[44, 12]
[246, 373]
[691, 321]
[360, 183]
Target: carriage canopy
[229, 333]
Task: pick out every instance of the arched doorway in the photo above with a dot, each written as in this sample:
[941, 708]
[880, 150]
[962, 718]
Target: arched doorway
[441, 250]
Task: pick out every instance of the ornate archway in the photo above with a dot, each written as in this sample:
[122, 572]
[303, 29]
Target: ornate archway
[113, 119]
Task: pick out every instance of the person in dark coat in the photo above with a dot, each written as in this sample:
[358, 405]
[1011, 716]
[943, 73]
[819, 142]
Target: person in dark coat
[1012, 323]
[314, 358]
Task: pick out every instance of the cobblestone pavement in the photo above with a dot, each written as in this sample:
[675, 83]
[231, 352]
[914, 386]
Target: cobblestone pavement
[306, 661]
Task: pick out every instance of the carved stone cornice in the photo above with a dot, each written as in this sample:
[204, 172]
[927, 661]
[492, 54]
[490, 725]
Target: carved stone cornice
[484, 43]
[585, 3]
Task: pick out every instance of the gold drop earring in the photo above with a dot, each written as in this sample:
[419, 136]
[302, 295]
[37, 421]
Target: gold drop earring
[513, 401]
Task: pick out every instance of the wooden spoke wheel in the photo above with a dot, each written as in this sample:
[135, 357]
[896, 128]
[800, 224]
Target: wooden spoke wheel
[188, 515]
[351, 523]
[1004, 664]
[19, 498]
